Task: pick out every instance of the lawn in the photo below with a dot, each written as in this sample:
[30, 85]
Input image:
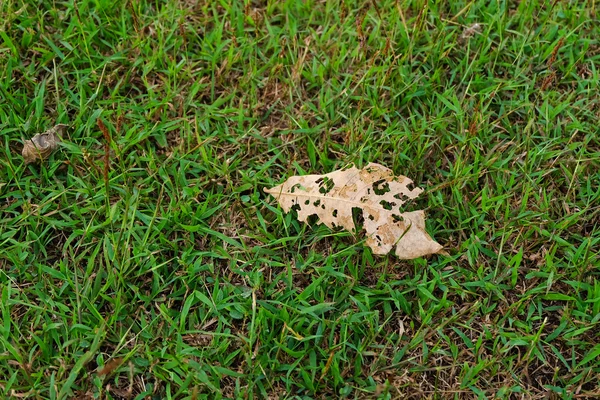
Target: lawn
[147, 262]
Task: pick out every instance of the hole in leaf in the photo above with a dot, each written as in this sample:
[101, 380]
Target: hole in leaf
[401, 196]
[387, 205]
[307, 202]
[296, 207]
[325, 185]
[371, 218]
[381, 187]
[358, 218]
[397, 218]
[317, 203]
[334, 213]
[410, 186]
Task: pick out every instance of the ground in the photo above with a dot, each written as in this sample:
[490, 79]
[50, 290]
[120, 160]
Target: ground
[144, 260]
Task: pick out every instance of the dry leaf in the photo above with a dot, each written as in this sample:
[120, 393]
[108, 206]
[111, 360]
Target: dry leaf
[374, 190]
[471, 31]
[43, 144]
[110, 366]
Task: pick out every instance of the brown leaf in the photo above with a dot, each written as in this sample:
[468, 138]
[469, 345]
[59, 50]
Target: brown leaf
[471, 31]
[110, 366]
[43, 144]
[373, 189]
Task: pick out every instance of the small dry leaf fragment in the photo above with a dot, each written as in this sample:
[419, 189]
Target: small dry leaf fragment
[374, 190]
[110, 366]
[43, 144]
[471, 31]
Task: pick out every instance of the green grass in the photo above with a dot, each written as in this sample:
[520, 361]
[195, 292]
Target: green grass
[181, 265]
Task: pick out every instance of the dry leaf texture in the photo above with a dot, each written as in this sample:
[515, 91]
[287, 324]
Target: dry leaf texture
[43, 144]
[471, 31]
[374, 190]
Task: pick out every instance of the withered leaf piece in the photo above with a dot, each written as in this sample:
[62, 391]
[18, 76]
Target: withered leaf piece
[110, 366]
[374, 190]
[470, 31]
[43, 144]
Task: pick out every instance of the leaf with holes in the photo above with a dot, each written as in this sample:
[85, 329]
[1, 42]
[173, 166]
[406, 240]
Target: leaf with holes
[376, 192]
